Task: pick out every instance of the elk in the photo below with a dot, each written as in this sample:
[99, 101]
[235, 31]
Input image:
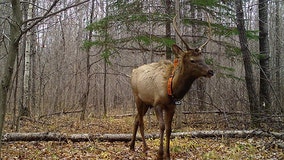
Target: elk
[160, 85]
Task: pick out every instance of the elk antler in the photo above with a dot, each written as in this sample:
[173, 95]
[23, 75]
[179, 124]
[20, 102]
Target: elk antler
[209, 34]
[175, 27]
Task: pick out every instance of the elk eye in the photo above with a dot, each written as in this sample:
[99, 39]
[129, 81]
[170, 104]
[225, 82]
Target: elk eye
[192, 61]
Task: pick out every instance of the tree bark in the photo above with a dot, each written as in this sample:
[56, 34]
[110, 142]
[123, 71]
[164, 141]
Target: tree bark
[264, 84]
[15, 34]
[250, 82]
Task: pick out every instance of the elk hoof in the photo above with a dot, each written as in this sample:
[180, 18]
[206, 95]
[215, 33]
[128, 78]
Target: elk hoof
[131, 147]
[159, 157]
[167, 157]
[145, 149]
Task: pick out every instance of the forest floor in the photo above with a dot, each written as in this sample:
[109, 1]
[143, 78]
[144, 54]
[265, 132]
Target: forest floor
[181, 148]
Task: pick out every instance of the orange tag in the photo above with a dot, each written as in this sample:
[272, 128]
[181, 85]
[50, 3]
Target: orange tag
[170, 81]
[175, 63]
[170, 93]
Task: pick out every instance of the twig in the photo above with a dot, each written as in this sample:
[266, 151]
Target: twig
[59, 113]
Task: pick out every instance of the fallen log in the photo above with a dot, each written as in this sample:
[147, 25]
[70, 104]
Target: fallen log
[229, 134]
[49, 136]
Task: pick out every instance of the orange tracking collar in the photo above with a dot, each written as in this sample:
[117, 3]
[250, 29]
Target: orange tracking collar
[170, 80]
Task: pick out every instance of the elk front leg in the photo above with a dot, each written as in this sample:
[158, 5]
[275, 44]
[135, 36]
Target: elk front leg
[169, 113]
[159, 114]
[135, 127]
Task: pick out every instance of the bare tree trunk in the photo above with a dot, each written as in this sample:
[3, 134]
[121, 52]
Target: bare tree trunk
[22, 104]
[25, 109]
[88, 76]
[177, 13]
[168, 27]
[104, 98]
[15, 34]
[264, 88]
[250, 82]
[15, 116]
[178, 41]
[278, 46]
[33, 105]
[105, 67]
[200, 84]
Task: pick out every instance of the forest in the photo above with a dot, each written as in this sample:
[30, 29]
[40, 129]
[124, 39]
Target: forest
[66, 66]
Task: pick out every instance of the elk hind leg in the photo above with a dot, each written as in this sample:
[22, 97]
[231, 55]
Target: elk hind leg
[141, 112]
[135, 127]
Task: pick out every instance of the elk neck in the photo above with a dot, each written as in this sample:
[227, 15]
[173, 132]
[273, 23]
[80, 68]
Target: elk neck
[182, 81]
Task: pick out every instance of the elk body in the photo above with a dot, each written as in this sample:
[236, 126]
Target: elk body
[160, 84]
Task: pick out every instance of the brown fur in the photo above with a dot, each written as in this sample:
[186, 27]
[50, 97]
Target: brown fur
[146, 78]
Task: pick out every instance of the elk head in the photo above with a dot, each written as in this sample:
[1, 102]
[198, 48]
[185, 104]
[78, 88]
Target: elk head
[193, 62]
[193, 58]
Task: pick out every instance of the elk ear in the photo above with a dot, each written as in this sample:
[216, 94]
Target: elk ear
[178, 52]
[198, 50]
